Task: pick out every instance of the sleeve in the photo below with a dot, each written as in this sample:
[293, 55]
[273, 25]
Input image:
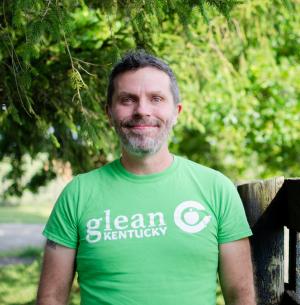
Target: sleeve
[62, 223]
[232, 220]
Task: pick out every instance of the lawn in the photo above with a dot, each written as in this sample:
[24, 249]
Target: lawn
[30, 214]
[18, 283]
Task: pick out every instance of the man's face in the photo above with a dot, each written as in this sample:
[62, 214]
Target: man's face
[143, 110]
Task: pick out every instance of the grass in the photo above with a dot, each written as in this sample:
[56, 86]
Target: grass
[27, 214]
[22, 253]
[18, 283]
[220, 299]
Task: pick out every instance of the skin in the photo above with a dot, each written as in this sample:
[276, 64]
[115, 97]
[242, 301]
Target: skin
[57, 274]
[144, 94]
[143, 113]
[236, 273]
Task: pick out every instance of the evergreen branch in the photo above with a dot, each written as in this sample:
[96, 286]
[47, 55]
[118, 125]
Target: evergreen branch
[87, 72]
[75, 72]
[47, 9]
[14, 70]
[78, 81]
[18, 88]
[8, 34]
[110, 25]
[203, 12]
[86, 62]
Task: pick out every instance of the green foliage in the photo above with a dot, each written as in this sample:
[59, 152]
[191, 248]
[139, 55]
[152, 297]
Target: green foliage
[238, 77]
[242, 91]
[18, 284]
[26, 214]
[29, 252]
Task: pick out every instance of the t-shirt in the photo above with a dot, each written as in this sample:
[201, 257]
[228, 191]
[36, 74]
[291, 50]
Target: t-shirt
[148, 239]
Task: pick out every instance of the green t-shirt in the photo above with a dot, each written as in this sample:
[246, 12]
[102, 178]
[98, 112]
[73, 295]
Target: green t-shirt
[148, 239]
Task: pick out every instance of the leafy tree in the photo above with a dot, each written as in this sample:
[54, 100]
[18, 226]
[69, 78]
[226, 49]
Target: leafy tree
[238, 77]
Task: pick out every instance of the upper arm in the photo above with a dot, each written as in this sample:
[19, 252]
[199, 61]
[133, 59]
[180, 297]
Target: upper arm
[236, 273]
[57, 274]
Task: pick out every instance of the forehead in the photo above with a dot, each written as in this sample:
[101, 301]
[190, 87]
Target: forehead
[148, 78]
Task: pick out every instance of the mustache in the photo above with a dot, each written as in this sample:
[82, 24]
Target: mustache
[141, 121]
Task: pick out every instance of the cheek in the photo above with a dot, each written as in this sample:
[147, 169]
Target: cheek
[167, 115]
[118, 114]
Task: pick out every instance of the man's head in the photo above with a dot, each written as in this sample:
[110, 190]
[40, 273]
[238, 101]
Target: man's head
[137, 60]
[141, 103]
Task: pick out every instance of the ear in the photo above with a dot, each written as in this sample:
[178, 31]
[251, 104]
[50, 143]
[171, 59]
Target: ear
[178, 109]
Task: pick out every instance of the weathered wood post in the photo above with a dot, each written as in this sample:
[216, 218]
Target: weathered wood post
[270, 205]
[267, 242]
[291, 195]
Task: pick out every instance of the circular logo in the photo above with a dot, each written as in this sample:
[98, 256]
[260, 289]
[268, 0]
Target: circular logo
[187, 218]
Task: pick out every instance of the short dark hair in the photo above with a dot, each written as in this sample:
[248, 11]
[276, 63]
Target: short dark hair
[135, 60]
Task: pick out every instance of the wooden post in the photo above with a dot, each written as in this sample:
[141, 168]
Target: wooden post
[297, 269]
[267, 243]
[291, 200]
[292, 293]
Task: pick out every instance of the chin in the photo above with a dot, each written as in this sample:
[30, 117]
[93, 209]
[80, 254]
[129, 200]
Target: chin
[142, 150]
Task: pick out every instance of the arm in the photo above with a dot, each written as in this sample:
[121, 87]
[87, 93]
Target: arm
[236, 273]
[57, 274]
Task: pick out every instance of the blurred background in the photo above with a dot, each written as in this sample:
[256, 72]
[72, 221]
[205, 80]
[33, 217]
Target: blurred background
[237, 65]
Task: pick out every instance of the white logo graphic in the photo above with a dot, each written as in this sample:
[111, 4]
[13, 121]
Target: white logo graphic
[187, 218]
[138, 225]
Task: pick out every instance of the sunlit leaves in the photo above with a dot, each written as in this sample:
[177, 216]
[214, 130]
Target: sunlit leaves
[239, 80]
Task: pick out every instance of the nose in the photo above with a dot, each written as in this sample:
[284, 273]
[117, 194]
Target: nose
[142, 107]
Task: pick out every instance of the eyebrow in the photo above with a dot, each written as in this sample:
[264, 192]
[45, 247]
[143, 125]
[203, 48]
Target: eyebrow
[158, 93]
[124, 93]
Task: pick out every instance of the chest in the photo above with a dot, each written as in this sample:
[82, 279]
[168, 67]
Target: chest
[147, 228]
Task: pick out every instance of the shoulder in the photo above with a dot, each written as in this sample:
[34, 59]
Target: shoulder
[204, 172]
[93, 176]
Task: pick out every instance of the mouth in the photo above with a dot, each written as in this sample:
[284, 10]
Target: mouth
[141, 126]
[142, 129]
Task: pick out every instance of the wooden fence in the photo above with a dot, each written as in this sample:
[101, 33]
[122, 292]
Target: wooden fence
[270, 205]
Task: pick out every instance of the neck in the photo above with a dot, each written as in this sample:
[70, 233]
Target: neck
[149, 164]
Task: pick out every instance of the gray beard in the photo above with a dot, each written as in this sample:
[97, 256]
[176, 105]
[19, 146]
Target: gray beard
[140, 145]
[143, 144]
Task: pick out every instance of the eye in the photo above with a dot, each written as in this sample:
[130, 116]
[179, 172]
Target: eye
[127, 100]
[157, 98]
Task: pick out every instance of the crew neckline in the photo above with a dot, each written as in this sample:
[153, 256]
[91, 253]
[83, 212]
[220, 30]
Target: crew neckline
[119, 167]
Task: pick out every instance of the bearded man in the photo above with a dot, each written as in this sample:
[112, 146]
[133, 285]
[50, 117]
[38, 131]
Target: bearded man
[151, 227]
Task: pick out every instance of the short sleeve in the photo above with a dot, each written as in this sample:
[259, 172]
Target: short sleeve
[232, 220]
[62, 223]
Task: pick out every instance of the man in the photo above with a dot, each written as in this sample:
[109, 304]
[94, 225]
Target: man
[150, 228]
